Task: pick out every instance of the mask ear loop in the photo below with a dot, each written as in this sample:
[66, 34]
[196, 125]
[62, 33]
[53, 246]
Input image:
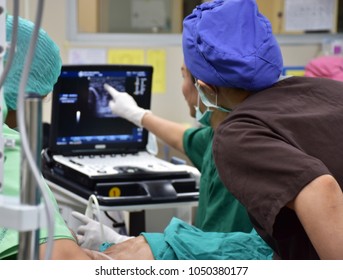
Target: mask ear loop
[94, 204]
[198, 87]
[198, 104]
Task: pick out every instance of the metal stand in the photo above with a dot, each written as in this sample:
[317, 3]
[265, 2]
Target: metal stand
[26, 215]
[30, 195]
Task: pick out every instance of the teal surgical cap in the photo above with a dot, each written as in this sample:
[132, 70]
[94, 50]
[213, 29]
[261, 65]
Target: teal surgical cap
[45, 68]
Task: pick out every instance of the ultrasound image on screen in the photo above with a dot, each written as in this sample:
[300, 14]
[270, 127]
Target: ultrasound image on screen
[81, 112]
[99, 98]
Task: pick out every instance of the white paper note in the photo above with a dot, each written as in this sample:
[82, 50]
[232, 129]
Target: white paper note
[307, 15]
[87, 56]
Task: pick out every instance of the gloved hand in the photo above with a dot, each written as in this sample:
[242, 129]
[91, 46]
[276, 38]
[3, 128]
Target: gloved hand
[123, 105]
[89, 233]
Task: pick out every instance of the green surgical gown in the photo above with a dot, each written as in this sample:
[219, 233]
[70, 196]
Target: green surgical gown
[223, 230]
[9, 237]
[218, 210]
[181, 241]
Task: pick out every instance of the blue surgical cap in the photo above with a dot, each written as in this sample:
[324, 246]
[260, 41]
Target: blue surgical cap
[45, 68]
[229, 43]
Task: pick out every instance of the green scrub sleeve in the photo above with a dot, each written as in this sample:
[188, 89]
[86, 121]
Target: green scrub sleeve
[195, 141]
[181, 241]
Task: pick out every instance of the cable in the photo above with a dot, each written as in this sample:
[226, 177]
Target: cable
[89, 212]
[115, 224]
[24, 138]
[13, 43]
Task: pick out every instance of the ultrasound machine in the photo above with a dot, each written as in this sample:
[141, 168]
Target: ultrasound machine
[92, 151]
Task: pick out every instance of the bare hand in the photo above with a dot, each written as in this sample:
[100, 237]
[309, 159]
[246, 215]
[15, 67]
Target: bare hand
[133, 249]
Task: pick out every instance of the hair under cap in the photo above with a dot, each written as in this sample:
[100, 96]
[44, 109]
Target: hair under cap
[45, 67]
[229, 43]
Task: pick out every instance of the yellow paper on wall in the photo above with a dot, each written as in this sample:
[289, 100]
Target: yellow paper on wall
[296, 73]
[157, 58]
[293, 71]
[126, 56]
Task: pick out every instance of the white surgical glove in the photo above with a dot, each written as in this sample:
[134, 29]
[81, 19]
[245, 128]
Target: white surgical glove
[89, 233]
[123, 105]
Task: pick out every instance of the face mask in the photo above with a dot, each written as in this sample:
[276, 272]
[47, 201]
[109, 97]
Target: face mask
[208, 103]
[203, 118]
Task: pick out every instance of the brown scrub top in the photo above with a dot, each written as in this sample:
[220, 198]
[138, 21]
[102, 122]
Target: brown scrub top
[275, 143]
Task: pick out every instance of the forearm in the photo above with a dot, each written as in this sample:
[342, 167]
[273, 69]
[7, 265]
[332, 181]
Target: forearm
[319, 207]
[133, 249]
[64, 249]
[169, 132]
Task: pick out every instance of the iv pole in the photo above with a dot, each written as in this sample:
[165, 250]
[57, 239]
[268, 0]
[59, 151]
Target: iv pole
[26, 215]
[2, 54]
[29, 192]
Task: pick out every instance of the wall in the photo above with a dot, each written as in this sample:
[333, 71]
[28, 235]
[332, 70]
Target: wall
[171, 104]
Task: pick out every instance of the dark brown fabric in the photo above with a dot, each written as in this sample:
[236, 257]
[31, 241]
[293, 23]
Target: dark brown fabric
[275, 143]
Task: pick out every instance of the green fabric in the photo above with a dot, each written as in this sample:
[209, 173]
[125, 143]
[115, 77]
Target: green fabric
[9, 237]
[218, 209]
[181, 241]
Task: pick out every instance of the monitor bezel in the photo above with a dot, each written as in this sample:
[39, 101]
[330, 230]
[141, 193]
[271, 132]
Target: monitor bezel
[85, 149]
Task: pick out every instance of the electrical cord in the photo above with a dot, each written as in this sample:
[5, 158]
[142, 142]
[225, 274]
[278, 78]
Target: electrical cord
[94, 204]
[24, 138]
[115, 224]
[12, 44]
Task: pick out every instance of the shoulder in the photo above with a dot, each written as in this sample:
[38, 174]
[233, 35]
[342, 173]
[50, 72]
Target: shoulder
[203, 131]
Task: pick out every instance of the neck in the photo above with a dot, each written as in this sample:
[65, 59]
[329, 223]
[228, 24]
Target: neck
[11, 119]
[227, 98]
[217, 118]
[231, 97]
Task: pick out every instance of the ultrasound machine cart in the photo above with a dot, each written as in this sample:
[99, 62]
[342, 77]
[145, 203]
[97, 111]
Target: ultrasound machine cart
[92, 151]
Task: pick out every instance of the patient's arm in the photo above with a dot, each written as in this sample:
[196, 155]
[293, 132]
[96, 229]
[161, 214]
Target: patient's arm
[319, 207]
[133, 249]
[65, 249]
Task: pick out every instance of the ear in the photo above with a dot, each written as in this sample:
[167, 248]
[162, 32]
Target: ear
[208, 88]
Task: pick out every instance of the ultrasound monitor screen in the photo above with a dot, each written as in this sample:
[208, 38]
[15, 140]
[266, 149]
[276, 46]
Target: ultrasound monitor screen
[82, 121]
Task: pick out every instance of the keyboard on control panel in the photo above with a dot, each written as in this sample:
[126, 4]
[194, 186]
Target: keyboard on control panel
[117, 163]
